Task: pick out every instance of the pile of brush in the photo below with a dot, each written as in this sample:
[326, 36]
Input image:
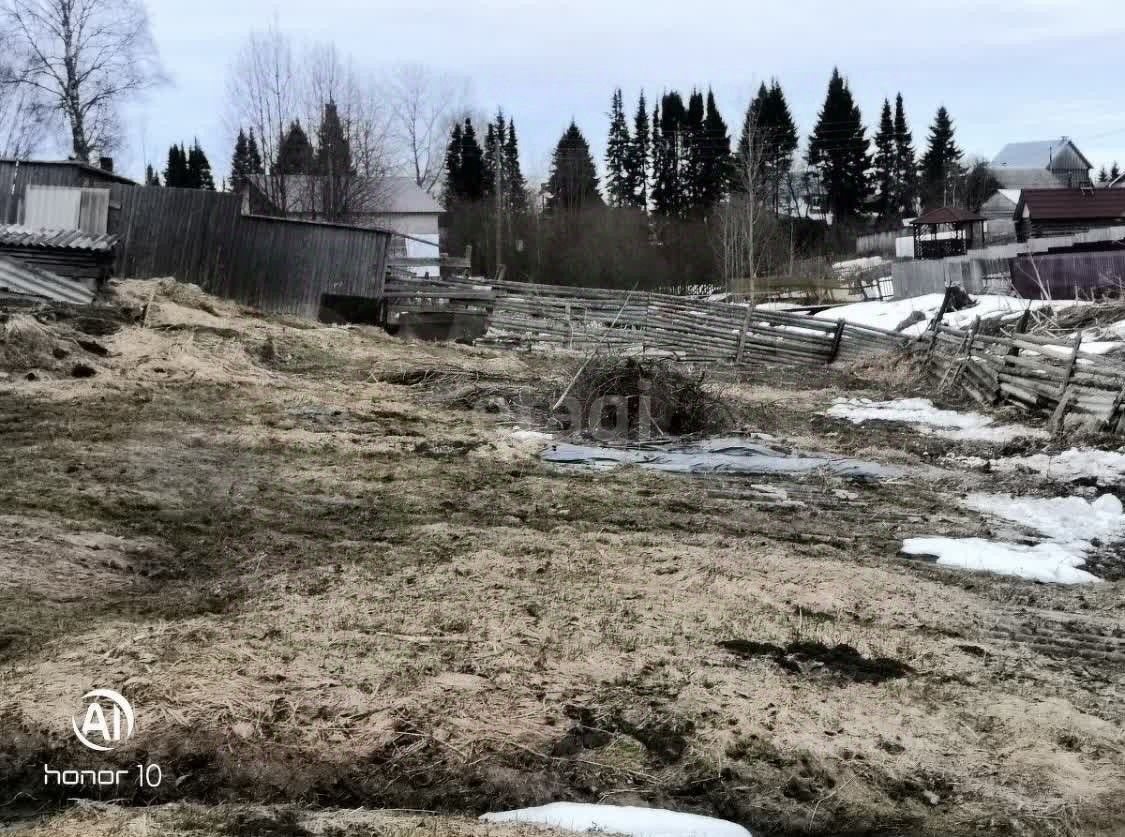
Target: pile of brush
[638, 398]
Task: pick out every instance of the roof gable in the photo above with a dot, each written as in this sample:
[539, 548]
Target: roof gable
[1038, 154]
[1071, 204]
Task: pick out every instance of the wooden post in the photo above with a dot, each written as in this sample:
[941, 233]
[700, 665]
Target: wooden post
[1021, 327]
[1072, 365]
[742, 334]
[840, 326]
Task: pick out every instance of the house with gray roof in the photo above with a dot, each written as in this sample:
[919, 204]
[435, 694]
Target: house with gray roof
[1044, 164]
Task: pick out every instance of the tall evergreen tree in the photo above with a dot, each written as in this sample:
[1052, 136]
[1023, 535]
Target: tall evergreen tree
[294, 152]
[770, 122]
[151, 177]
[573, 183]
[694, 155]
[886, 167]
[333, 151]
[199, 169]
[838, 151]
[513, 174]
[254, 156]
[617, 181]
[670, 157]
[452, 193]
[176, 171]
[715, 170]
[658, 178]
[906, 169]
[941, 164]
[473, 177]
[1114, 171]
[637, 157]
[240, 165]
[1103, 175]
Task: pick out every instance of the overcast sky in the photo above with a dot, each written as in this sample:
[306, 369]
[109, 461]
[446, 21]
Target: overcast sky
[1007, 71]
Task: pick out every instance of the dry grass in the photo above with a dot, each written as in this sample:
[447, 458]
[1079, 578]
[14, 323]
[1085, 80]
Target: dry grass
[317, 585]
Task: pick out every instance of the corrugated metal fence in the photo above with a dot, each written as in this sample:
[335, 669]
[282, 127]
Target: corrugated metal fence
[276, 265]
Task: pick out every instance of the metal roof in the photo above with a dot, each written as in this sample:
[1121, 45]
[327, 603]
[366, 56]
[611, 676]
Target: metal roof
[946, 215]
[1034, 155]
[81, 165]
[1071, 204]
[13, 235]
[27, 279]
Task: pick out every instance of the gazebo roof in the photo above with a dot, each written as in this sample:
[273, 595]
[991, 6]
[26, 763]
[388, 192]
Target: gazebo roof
[946, 215]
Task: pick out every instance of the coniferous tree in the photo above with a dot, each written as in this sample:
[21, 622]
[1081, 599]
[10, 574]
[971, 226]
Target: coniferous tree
[333, 151]
[775, 135]
[885, 163]
[838, 151]
[1103, 175]
[658, 176]
[295, 152]
[1114, 171]
[254, 156]
[573, 183]
[618, 185]
[941, 164]
[513, 174]
[151, 177]
[637, 157]
[199, 169]
[176, 171]
[472, 170]
[694, 154]
[493, 143]
[240, 162]
[715, 171]
[453, 179]
[906, 169]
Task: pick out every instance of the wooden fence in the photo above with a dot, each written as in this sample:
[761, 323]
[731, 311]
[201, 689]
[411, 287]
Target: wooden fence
[1043, 374]
[525, 314]
[276, 265]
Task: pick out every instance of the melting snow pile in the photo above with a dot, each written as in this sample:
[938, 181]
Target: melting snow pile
[623, 819]
[926, 418]
[1106, 467]
[889, 315]
[1070, 524]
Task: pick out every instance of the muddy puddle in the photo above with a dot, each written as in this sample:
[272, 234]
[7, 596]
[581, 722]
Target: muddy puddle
[730, 455]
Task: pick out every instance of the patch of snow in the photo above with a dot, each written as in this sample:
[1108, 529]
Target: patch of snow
[1045, 562]
[1107, 467]
[924, 417]
[1070, 525]
[621, 819]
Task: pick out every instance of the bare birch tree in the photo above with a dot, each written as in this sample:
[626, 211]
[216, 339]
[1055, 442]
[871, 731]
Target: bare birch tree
[84, 57]
[742, 221]
[424, 105]
[24, 115]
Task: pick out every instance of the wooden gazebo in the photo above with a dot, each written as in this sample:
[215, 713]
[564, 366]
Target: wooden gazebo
[947, 231]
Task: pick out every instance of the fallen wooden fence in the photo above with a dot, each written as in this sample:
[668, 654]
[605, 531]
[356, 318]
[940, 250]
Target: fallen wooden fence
[1042, 374]
[525, 314]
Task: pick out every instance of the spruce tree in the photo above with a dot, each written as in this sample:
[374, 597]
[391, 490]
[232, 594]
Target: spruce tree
[941, 164]
[1103, 175]
[513, 174]
[199, 169]
[657, 179]
[715, 172]
[906, 168]
[333, 151]
[694, 156]
[670, 157]
[573, 183]
[151, 177]
[453, 176]
[472, 170]
[496, 137]
[618, 184]
[295, 152]
[254, 156]
[637, 158]
[176, 171]
[240, 162]
[886, 167]
[1114, 171]
[838, 151]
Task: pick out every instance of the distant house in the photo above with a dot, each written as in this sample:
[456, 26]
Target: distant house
[1045, 164]
[1046, 212]
[396, 204]
[1001, 205]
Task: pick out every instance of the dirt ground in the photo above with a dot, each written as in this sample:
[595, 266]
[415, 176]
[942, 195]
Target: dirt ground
[328, 576]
